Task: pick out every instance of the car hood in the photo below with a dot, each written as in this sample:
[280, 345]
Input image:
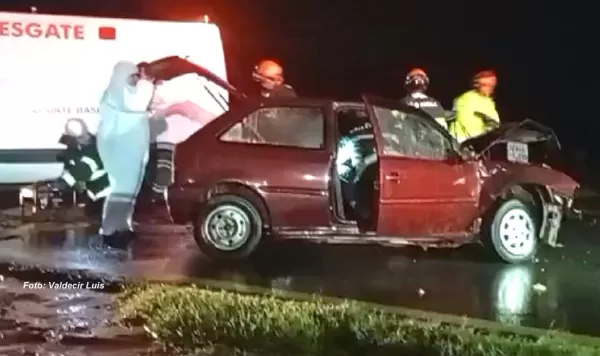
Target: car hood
[168, 68]
[527, 131]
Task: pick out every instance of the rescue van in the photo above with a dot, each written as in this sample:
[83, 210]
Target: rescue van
[55, 68]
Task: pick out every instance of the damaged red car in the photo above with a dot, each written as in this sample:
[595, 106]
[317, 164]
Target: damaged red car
[279, 168]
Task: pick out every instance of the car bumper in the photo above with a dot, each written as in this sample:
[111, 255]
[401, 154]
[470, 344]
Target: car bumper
[554, 213]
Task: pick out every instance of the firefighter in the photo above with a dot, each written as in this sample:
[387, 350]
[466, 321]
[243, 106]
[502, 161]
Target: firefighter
[475, 110]
[83, 166]
[269, 74]
[123, 142]
[416, 84]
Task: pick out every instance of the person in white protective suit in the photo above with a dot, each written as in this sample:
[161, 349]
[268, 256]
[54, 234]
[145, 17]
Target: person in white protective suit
[123, 141]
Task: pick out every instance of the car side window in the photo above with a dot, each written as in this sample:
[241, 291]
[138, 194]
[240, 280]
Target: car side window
[280, 126]
[409, 135]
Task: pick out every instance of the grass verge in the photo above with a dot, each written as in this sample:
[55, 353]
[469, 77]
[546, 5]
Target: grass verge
[191, 318]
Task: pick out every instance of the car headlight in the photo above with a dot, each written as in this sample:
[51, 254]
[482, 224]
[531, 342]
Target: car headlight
[75, 127]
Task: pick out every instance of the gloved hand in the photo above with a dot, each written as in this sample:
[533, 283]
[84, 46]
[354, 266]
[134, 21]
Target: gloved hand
[79, 187]
[488, 121]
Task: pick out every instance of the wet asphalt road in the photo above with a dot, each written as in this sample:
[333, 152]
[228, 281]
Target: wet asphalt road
[561, 290]
[44, 322]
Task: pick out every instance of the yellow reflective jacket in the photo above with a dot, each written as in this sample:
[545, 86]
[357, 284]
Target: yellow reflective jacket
[467, 123]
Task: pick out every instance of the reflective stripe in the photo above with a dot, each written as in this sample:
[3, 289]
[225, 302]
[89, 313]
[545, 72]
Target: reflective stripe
[97, 174]
[158, 188]
[101, 194]
[165, 146]
[90, 162]
[163, 163]
[68, 178]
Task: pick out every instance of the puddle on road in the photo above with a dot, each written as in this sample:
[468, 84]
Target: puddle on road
[63, 322]
[50, 321]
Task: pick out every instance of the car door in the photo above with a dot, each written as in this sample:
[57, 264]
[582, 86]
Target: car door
[282, 151]
[425, 188]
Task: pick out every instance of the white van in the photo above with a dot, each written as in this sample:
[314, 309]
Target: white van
[53, 68]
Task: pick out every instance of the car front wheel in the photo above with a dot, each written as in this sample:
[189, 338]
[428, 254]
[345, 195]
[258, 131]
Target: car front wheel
[513, 232]
[229, 228]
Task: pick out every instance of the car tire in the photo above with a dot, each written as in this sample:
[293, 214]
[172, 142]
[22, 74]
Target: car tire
[228, 228]
[513, 232]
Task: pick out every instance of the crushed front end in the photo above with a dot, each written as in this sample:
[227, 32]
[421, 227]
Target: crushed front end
[555, 212]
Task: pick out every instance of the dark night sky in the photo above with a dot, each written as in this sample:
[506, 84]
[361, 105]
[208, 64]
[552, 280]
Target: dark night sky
[340, 48]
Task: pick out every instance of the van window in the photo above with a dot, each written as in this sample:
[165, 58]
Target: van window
[280, 126]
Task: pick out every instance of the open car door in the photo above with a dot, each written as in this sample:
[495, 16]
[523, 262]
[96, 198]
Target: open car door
[425, 188]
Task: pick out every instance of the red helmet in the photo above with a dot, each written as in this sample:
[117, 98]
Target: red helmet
[268, 69]
[485, 78]
[416, 80]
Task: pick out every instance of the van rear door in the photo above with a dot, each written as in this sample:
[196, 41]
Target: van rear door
[54, 68]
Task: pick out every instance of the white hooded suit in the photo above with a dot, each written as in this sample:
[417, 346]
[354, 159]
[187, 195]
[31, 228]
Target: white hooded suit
[123, 142]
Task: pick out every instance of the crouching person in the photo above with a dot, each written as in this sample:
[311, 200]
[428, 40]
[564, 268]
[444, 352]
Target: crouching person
[83, 167]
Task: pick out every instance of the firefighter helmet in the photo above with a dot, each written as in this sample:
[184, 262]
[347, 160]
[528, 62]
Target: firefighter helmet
[268, 70]
[416, 80]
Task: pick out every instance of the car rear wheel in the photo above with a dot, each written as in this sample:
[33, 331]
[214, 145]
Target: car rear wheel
[513, 232]
[229, 228]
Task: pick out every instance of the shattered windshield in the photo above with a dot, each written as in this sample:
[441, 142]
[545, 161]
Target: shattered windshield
[409, 135]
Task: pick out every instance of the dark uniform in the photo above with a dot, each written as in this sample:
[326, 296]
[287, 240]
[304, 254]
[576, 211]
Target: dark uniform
[280, 91]
[416, 84]
[428, 104]
[84, 170]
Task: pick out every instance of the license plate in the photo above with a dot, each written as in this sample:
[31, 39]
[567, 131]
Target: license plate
[517, 152]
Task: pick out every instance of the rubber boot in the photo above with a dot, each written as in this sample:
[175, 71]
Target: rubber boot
[154, 210]
[118, 241]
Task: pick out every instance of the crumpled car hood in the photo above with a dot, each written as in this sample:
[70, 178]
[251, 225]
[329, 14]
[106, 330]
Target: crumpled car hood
[543, 147]
[527, 131]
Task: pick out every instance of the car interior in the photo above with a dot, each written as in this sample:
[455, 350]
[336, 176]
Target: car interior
[404, 134]
[355, 173]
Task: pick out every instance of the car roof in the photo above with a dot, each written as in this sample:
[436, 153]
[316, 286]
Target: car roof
[306, 101]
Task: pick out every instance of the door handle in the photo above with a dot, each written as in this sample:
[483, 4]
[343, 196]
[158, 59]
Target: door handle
[394, 176]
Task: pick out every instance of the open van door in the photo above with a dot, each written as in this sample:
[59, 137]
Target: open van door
[51, 72]
[425, 188]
